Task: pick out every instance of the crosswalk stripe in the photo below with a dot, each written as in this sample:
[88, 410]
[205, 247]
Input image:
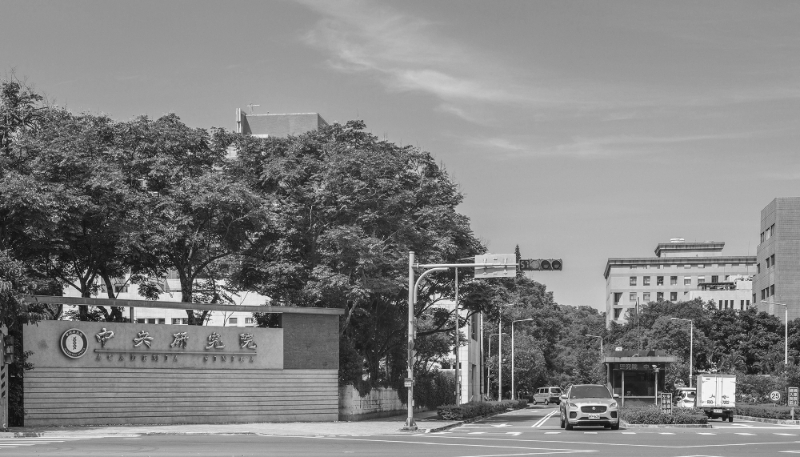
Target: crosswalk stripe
[746, 434]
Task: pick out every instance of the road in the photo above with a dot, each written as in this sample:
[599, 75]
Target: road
[528, 432]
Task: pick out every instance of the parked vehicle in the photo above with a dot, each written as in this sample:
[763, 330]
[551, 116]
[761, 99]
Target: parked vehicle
[547, 395]
[686, 397]
[589, 404]
[716, 395]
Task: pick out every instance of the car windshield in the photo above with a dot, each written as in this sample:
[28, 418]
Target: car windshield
[589, 392]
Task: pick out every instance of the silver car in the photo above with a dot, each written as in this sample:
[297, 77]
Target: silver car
[589, 404]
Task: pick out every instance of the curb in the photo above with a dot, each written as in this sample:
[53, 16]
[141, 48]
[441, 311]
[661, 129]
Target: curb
[627, 425]
[767, 420]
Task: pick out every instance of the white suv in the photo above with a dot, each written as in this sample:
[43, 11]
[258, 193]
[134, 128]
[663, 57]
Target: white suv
[589, 404]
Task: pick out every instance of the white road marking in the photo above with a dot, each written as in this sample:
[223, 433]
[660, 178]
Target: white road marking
[590, 433]
[745, 434]
[476, 433]
[628, 433]
[792, 452]
[785, 434]
[502, 425]
[25, 441]
[551, 433]
[513, 433]
[541, 421]
[705, 433]
[666, 433]
[543, 449]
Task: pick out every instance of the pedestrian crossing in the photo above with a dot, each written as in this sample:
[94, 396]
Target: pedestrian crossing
[470, 431]
[12, 443]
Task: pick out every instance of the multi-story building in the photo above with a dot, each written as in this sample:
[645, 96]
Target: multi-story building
[678, 268]
[777, 278]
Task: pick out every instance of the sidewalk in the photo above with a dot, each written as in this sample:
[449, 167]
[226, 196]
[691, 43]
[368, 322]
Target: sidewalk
[426, 422]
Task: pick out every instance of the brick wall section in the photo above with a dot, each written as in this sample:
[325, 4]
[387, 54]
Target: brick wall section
[310, 342]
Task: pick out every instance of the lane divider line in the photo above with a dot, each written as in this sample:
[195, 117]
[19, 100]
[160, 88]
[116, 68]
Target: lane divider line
[541, 421]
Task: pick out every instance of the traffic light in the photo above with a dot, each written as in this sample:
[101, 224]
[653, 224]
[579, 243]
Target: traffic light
[8, 349]
[540, 264]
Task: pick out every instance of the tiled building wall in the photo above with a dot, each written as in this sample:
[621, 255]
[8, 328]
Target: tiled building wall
[780, 237]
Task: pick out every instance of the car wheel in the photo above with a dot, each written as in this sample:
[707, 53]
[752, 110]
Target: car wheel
[730, 418]
[568, 426]
[563, 421]
[615, 426]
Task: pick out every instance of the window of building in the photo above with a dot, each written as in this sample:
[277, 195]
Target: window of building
[632, 296]
[617, 312]
[633, 267]
[763, 294]
[687, 266]
[701, 279]
[727, 278]
[233, 320]
[741, 304]
[249, 320]
[701, 266]
[646, 280]
[762, 237]
[646, 297]
[659, 280]
[660, 296]
[633, 280]
[773, 259]
[714, 278]
[673, 280]
[687, 280]
[141, 321]
[617, 297]
[767, 262]
[772, 290]
[747, 303]
[673, 296]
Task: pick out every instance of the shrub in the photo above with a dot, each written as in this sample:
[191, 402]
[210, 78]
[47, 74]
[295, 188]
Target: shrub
[653, 415]
[766, 411]
[478, 408]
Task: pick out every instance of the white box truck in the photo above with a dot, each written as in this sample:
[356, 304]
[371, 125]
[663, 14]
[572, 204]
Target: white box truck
[716, 395]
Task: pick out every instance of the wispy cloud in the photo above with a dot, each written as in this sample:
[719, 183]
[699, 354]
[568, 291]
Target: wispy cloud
[604, 146]
[405, 52]
[411, 54]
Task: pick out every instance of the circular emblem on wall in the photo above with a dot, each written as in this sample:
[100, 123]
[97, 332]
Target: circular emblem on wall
[73, 343]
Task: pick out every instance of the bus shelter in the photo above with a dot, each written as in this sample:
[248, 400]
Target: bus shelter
[637, 376]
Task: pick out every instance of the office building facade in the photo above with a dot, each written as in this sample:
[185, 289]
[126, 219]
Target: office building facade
[777, 278]
[678, 268]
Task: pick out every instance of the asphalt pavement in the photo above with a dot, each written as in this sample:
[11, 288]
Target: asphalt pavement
[528, 432]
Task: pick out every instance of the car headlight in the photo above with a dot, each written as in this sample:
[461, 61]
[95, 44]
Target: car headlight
[613, 404]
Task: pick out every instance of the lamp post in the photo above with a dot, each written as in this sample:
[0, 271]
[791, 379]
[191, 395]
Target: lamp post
[488, 368]
[785, 329]
[691, 343]
[513, 396]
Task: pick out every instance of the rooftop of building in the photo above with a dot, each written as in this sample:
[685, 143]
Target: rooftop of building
[278, 124]
[688, 249]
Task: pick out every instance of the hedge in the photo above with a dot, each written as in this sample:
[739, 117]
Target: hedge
[653, 415]
[766, 411]
[478, 408]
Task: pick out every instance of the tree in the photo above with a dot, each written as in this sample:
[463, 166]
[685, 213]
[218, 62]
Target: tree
[20, 111]
[193, 213]
[347, 209]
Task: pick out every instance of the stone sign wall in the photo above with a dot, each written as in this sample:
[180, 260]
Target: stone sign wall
[90, 373]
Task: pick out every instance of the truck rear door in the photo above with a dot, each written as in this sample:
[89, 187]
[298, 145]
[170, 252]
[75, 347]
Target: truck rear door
[707, 392]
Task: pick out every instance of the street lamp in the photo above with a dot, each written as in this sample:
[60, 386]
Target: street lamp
[513, 397]
[488, 368]
[500, 352]
[785, 330]
[601, 344]
[691, 343]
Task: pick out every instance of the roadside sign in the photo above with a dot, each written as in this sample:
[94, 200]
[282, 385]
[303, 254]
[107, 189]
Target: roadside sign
[775, 396]
[506, 269]
[666, 402]
[793, 396]
[407, 382]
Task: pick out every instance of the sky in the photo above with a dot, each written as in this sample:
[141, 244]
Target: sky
[577, 130]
